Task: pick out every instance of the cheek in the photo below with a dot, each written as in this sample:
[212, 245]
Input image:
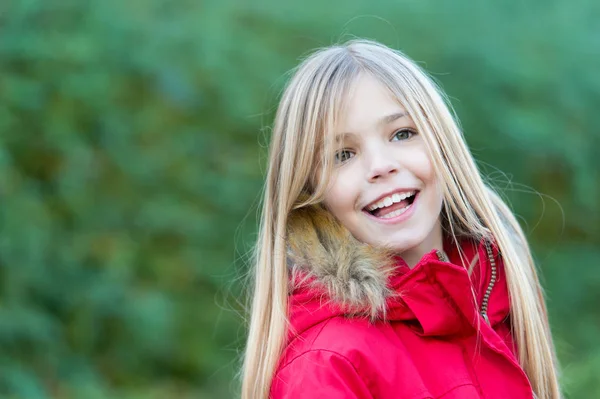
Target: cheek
[339, 197]
[422, 167]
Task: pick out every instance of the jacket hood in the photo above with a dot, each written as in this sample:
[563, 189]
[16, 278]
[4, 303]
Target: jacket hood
[333, 274]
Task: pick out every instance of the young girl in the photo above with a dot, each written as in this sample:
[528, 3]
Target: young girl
[385, 267]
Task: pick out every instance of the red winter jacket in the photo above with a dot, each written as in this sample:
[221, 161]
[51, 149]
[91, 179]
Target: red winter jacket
[428, 346]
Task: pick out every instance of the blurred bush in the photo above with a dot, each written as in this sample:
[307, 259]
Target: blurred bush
[132, 153]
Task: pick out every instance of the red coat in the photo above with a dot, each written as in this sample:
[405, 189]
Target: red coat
[427, 346]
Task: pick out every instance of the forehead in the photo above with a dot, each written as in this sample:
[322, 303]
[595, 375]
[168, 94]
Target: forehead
[368, 105]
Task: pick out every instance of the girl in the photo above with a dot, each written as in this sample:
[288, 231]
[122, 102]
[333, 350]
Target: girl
[385, 267]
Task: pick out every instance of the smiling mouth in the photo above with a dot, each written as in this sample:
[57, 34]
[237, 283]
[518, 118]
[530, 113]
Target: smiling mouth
[392, 206]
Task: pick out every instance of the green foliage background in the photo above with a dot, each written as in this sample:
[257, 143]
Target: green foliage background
[132, 150]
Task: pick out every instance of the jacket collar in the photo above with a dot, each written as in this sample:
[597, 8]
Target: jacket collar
[333, 274]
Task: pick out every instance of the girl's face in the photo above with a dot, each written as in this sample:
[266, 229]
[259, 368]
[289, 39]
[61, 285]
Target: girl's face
[384, 189]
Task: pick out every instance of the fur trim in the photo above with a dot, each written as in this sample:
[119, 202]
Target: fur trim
[322, 251]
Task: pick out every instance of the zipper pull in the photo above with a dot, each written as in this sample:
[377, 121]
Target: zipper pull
[485, 317]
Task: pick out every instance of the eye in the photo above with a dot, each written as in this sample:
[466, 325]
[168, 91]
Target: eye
[343, 155]
[403, 134]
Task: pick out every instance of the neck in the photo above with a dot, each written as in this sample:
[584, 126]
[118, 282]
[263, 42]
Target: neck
[433, 241]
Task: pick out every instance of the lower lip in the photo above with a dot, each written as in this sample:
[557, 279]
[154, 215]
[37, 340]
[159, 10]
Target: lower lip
[400, 218]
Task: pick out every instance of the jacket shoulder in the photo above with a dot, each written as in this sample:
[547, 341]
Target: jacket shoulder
[347, 350]
[319, 373]
[353, 338]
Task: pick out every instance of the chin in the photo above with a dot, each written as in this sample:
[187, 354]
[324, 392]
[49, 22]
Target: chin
[399, 246]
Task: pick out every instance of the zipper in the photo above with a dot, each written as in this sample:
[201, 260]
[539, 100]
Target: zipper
[441, 255]
[486, 297]
[488, 291]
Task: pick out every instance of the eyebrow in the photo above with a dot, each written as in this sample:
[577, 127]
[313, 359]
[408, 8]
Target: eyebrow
[384, 120]
[390, 118]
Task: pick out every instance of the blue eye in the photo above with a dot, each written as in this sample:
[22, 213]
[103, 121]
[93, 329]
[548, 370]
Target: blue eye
[403, 134]
[343, 155]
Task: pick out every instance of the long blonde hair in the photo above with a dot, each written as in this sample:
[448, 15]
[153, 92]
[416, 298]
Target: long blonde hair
[300, 163]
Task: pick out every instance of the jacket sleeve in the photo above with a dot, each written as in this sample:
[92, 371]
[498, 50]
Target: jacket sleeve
[319, 374]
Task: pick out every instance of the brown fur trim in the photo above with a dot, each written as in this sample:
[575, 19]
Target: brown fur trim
[352, 274]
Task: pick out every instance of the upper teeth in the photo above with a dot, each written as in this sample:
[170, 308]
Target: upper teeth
[392, 199]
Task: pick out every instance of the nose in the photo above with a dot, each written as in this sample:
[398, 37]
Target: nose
[381, 166]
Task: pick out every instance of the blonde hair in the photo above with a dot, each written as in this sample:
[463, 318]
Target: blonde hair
[299, 166]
